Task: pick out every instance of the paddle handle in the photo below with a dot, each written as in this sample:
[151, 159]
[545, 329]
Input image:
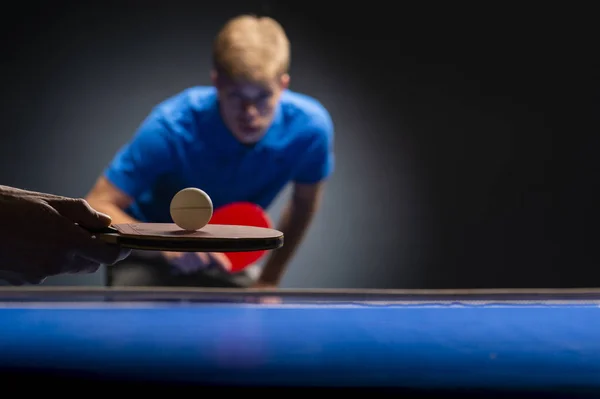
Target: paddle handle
[103, 230]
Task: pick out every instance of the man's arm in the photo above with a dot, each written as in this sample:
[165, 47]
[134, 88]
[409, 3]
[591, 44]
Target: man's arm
[107, 198]
[295, 220]
[309, 182]
[134, 168]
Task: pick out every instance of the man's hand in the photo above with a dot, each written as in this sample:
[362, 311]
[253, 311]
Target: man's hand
[191, 262]
[44, 237]
[295, 221]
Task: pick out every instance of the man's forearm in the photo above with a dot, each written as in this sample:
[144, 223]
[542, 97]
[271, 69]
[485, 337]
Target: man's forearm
[294, 223]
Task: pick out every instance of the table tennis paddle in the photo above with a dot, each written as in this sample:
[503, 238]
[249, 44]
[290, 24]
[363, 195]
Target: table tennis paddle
[210, 238]
[242, 214]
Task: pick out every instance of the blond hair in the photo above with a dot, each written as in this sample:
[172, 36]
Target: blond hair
[251, 48]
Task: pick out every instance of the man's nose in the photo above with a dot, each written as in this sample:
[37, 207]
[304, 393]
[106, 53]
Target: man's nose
[250, 108]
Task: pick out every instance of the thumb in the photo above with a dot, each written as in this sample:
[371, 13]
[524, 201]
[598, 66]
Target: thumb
[80, 212]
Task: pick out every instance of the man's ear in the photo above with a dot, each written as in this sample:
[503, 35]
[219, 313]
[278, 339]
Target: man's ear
[284, 81]
[214, 77]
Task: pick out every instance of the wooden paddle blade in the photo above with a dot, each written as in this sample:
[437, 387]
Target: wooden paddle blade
[211, 238]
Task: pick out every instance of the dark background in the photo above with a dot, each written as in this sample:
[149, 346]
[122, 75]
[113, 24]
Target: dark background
[459, 162]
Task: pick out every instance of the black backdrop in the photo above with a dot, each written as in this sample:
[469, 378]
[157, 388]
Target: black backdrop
[493, 102]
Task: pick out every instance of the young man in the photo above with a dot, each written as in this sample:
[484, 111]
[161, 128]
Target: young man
[243, 139]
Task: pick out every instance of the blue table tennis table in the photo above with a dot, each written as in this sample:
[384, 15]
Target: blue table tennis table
[501, 341]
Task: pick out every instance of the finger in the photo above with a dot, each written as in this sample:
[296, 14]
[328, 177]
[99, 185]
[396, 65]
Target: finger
[221, 260]
[271, 300]
[84, 244]
[123, 254]
[171, 255]
[79, 211]
[80, 264]
[20, 193]
[204, 258]
[101, 253]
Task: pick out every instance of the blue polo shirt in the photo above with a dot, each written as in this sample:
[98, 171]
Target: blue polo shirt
[184, 143]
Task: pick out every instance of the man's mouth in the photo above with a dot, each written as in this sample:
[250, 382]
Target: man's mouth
[249, 129]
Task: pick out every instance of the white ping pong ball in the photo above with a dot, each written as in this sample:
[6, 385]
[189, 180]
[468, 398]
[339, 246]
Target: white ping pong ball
[191, 209]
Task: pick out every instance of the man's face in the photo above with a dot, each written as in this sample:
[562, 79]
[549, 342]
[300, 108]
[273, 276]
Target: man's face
[248, 108]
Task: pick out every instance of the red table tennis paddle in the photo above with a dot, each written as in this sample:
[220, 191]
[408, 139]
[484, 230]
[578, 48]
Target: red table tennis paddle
[242, 214]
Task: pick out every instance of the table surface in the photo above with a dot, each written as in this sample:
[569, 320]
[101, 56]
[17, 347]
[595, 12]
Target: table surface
[534, 339]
